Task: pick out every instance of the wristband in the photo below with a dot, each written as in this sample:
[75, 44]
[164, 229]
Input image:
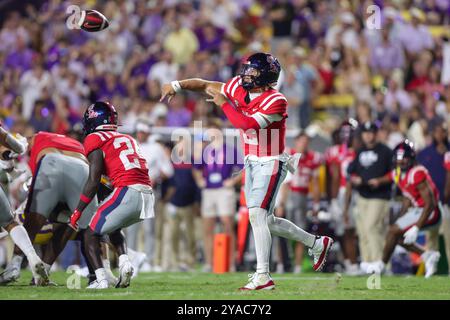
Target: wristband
[85, 199]
[176, 86]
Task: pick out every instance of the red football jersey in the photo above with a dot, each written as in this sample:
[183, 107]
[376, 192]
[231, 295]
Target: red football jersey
[343, 156]
[44, 140]
[447, 161]
[269, 141]
[308, 164]
[408, 184]
[124, 164]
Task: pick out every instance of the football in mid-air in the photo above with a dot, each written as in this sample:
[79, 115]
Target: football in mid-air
[92, 21]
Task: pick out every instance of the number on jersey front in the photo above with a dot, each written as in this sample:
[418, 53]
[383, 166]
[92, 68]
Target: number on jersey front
[129, 156]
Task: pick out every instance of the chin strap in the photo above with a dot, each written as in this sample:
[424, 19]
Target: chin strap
[107, 127]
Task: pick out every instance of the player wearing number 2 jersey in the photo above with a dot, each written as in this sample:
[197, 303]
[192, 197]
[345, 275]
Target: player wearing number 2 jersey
[252, 105]
[116, 155]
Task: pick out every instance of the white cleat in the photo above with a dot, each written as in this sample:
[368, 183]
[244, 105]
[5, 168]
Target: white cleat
[10, 274]
[259, 281]
[99, 285]
[431, 259]
[320, 251]
[125, 273]
[377, 267]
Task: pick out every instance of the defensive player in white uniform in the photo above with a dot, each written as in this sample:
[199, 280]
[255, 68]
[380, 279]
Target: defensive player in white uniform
[252, 104]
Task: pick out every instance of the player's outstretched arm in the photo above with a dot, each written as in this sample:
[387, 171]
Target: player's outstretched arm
[169, 90]
[90, 189]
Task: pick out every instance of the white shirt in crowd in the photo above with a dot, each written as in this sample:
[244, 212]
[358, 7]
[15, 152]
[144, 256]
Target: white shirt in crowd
[159, 163]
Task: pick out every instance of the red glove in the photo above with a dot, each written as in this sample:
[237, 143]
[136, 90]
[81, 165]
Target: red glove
[76, 215]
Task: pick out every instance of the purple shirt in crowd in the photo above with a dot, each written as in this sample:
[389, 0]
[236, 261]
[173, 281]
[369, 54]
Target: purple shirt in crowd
[218, 165]
[178, 118]
[20, 60]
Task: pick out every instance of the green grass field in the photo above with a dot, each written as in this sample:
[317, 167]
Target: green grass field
[191, 286]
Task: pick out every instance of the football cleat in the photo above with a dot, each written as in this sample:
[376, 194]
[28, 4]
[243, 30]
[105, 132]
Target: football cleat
[98, 285]
[10, 274]
[431, 259]
[40, 275]
[125, 273]
[50, 283]
[320, 251]
[259, 281]
[377, 267]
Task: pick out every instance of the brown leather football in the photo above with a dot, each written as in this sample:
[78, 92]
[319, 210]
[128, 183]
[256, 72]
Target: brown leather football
[93, 21]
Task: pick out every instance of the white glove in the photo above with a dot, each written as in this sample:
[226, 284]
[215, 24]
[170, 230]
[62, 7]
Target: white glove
[6, 165]
[410, 236]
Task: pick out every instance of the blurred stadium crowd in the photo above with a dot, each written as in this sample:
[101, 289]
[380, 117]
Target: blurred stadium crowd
[334, 67]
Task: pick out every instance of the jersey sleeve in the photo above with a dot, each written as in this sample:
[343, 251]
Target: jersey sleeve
[229, 88]
[92, 142]
[419, 176]
[447, 161]
[276, 103]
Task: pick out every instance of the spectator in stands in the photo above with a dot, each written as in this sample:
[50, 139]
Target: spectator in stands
[165, 70]
[386, 55]
[178, 115]
[310, 83]
[422, 38]
[181, 42]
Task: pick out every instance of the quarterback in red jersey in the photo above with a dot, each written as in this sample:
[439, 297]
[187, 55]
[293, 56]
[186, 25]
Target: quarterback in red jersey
[252, 105]
[421, 209]
[116, 155]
